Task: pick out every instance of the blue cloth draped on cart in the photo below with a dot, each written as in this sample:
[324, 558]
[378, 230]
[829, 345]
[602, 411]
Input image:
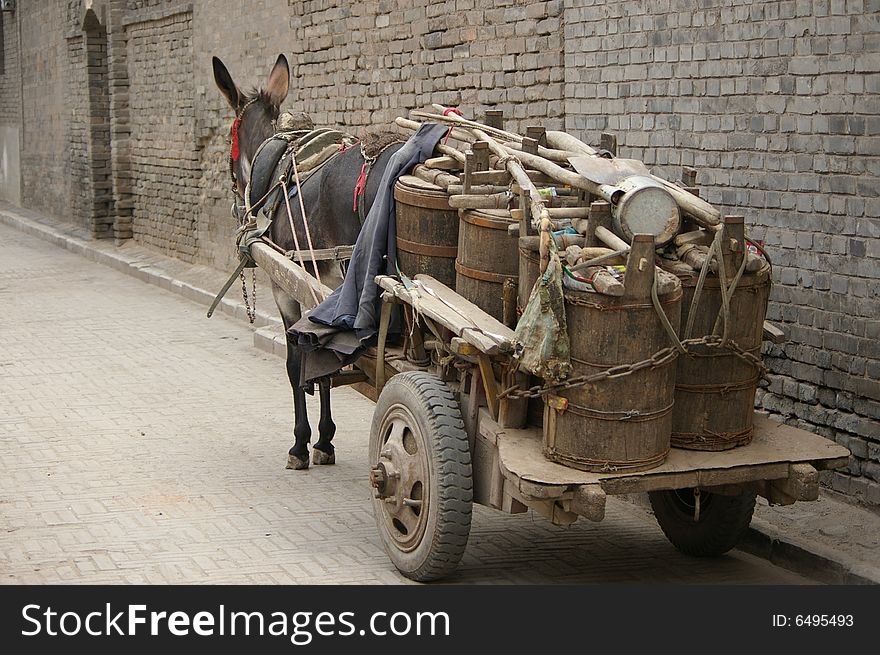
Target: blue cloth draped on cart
[343, 325]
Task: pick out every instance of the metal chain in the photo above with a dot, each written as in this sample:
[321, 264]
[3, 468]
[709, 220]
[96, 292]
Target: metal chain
[250, 309]
[661, 357]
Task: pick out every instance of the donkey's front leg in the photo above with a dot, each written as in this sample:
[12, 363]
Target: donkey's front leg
[298, 455]
[323, 452]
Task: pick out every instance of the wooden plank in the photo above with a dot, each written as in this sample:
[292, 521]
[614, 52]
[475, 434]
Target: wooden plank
[440, 303]
[550, 509]
[773, 334]
[478, 319]
[395, 362]
[490, 385]
[384, 321]
[289, 275]
[462, 348]
[774, 447]
[513, 412]
[441, 313]
[367, 390]
[487, 478]
[344, 378]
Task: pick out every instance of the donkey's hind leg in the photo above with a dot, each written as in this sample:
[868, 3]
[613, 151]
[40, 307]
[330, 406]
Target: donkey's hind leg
[323, 452]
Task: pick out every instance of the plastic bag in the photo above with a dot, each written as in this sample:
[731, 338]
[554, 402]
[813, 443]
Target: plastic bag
[541, 343]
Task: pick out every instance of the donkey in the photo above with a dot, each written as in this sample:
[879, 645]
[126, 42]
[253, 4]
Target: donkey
[327, 196]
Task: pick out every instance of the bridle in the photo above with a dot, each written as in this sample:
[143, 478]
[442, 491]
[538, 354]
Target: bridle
[234, 150]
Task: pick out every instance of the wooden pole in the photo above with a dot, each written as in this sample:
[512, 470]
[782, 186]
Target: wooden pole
[288, 275]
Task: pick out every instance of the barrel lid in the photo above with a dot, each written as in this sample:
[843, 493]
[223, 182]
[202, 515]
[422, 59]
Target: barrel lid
[413, 183]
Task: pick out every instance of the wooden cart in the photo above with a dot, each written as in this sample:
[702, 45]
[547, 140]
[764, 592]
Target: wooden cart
[441, 440]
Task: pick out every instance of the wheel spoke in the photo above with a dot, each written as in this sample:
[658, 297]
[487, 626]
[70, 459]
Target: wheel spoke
[395, 437]
[408, 518]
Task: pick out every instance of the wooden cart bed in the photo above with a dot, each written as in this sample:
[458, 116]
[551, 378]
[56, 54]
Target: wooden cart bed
[781, 462]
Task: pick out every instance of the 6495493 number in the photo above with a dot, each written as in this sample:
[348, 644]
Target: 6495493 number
[813, 620]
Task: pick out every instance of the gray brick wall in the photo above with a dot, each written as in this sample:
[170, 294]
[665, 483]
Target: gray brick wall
[45, 182]
[120, 119]
[10, 82]
[366, 63]
[76, 153]
[776, 105]
[164, 162]
[10, 110]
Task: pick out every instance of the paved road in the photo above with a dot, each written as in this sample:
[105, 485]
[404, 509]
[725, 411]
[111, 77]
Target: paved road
[142, 443]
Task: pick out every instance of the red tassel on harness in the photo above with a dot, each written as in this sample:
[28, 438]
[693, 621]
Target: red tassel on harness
[360, 186]
[235, 151]
[446, 112]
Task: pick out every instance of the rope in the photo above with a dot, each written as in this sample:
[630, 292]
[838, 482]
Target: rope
[295, 238]
[695, 301]
[631, 415]
[506, 159]
[730, 291]
[446, 112]
[664, 320]
[302, 209]
[722, 278]
[605, 465]
[711, 438]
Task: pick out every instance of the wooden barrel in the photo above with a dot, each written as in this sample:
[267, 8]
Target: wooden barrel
[715, 388]
[427, 230]
[618, 424]
[487, 257]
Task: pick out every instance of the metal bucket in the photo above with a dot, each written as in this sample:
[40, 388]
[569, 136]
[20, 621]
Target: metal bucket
[715, 388]
[623, 423]
[427, 230]
[487, 258]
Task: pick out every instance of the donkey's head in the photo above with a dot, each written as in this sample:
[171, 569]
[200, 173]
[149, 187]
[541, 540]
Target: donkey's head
[255, 115]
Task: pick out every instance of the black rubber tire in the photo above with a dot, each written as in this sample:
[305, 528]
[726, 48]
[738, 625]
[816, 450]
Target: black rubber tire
[723, 520]
[438, 416]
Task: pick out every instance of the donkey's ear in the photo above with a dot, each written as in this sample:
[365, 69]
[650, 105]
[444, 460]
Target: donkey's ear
[279, 81]
[224, 82]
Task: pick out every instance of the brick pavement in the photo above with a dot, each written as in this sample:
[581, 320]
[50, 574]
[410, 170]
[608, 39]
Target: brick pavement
[140, 442]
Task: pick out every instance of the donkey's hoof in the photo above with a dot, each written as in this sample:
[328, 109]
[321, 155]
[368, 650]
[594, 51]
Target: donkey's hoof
[319, 457]
[297, 464]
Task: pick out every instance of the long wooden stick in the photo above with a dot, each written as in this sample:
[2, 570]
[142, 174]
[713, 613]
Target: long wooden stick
[500, 134]
[565, 141]
[704, 213]
[289, 275]
[610, 239]
[513, 166]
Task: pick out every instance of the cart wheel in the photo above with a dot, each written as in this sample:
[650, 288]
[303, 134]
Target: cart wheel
[722, 522]
[421, 475]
